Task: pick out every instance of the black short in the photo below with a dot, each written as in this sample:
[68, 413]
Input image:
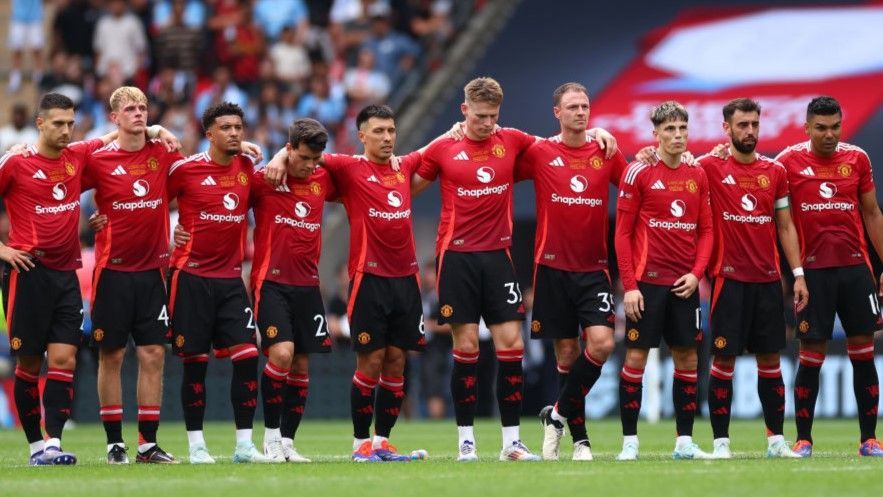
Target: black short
[472, 285]
[385, 311]
[747, 316]
[209, 313]
[850, 292]
[288, 313]
[665, 316]
[42, 306]
[566, 302]
[129, 302]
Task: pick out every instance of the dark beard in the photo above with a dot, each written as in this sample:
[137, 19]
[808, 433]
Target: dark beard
[743, 148]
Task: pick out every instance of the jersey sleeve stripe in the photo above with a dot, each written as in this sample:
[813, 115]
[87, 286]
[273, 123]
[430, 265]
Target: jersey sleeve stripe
[633, 171]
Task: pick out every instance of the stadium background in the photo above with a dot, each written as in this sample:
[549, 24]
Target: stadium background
[528, 46]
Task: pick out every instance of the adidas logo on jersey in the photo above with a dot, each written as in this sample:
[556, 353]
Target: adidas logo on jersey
[729, 180]
[208, 181]
[283, 188]
[659, 185]
[808, 172]
[373, 179]
[461, 156]
[557, 162]
[119, 171]
[39, 174]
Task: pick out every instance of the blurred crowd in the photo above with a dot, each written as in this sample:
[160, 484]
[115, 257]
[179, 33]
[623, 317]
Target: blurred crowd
[278, 59]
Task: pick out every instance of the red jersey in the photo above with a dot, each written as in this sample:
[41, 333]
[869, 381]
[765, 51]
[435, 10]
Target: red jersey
[378, 205]
[288, 228]
[744, 201]
[212, 207]
[42, 198]
[476, 189]
[571, 186]
[825, 203]
[663, 225]
[130, 189]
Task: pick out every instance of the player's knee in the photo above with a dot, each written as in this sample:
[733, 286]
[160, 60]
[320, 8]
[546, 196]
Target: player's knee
[816, 346]
[727, 361]
[68, 362]
[30, 364]
[566, 352]
[111, 358]
[636, 358]
[601, 348]
[300, 364]
[281, 356]
[685, 358]
[151, 356]
[469, 347]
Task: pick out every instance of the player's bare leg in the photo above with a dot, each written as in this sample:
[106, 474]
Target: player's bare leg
[684, 389]
[151, 362]
[110, 398]
[464, 389]
[362, 399]
[509, 346]
[584, 373]
[806, 391]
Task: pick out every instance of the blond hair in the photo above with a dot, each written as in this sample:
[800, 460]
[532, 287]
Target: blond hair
[125, 93]
[668, 111]
[483, 90]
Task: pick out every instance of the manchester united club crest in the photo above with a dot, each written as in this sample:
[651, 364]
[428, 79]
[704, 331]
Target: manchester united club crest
[70, 169]
[763, 181]
[98, 334]
[272, 331]
[692, 187]
[242, 178]
[364, 337]
[15, 343]
[499, 151]
[152, 164]
[596, 162]
[804, 326]
[845, 170]
[315, 188]
[632, 335]
[535, 326]
[720, 343]
[179, 341]
[447, 311]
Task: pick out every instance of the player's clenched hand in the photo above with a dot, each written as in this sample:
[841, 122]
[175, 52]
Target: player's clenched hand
[801, 294]
[687, 158]
[97, 221]
[721, 150]
[685, 285]
[19, 259]
[169, 140]
[275, 173]
[633, 303]
[605, 139]
[647, 155]
[181, 236]
[254, 150]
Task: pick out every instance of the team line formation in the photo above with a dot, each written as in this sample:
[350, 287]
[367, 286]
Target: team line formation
[678, 219]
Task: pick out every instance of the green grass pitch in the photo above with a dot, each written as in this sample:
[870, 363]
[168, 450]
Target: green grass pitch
[834, 470]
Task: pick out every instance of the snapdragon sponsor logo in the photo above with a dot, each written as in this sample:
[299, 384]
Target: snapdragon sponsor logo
[59, 191]
[136, 205]
[222, 218]
[485, 174]
[747, 218]
[56, 209]
[571, 201]
[140, 188]
[481, 192]
[395, 199]
[749, 203]
[827, 191]
[672, 225]
[389, 216]
[296, 223]
[678, 208]
[301, 209]
[579, 183]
